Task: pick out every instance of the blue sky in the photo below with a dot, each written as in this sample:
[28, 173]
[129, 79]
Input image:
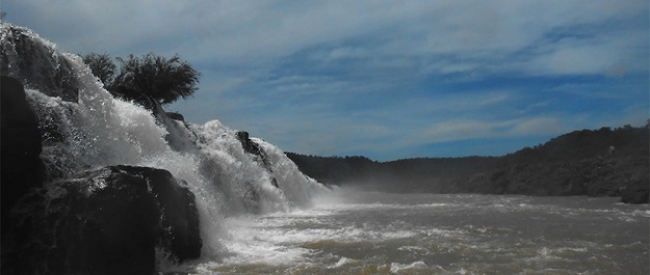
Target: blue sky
[383, 79]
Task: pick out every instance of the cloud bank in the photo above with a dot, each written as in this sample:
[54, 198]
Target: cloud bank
[384, 79]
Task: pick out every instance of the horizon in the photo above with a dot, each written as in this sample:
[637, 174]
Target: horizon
[378, 79]
[471, 156]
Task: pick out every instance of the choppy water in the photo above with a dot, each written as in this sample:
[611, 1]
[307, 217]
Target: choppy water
[376, 233]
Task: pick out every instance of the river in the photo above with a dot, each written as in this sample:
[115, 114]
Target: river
[351, 232]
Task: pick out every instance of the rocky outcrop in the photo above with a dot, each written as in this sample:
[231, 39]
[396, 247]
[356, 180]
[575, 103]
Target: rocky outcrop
[248, 145]
[253, 148]
[179, 231]
[64, 215]
[37, 65]
[22, 168]
[115, 220]
[106, 221]
[259, 155]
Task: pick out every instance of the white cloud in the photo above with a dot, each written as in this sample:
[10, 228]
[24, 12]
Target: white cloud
[296, 72]
[254, 33]
[537, 126]
[464, 129]
[613, 53]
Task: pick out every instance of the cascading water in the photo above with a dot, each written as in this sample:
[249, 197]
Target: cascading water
[99, 130]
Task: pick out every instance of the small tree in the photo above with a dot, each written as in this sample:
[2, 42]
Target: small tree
[165, 80]
[102, 67]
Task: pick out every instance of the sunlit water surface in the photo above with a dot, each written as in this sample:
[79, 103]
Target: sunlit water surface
[377, 233]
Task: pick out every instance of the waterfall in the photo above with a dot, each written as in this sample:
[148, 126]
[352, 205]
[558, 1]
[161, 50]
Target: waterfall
[85, 127]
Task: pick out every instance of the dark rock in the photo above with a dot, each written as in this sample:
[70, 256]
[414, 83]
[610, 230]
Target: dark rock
[180, 219]
[249, 146]
[253, 148]
[22, 167]
[176, 116]
[259, 155]
[106, 221]
[637, 192]
[177, 137]
[25, 56]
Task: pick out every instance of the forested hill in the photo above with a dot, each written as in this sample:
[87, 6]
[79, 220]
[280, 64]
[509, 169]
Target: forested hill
[604, 162]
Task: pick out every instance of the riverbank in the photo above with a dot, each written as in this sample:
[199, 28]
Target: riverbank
[603, 162]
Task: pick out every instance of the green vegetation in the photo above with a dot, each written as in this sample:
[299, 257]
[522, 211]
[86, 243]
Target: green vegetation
[102, 67]
[165, 80]
[602, 162]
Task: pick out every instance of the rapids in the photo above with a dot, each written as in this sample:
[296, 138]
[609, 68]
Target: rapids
[350, 232]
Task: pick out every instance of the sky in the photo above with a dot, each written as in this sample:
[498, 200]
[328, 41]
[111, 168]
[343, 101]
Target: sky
[382, 79]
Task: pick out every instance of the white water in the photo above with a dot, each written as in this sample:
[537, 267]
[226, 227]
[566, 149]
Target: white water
[350, 232]
[101, 130]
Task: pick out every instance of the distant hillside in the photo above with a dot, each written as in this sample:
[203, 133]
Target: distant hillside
[604, 162]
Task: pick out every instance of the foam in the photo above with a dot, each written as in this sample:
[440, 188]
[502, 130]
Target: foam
[342, 261]
[397, 267]
[290, 238]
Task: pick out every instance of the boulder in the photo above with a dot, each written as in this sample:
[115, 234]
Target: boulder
[179, 226]
[22, 167]
[106, 221]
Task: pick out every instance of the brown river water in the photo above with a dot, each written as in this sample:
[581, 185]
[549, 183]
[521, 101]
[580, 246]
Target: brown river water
[349, 232]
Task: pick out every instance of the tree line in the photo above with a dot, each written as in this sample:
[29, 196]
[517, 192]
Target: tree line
[587, 162]
[132, 78]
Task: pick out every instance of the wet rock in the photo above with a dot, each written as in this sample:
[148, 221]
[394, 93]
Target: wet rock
[179, 232]
[177, 136]
[37, 64]
[259, 155]
[22, 167]
[106, 221]
[253, 148]
[176, 116]
[249, 146]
